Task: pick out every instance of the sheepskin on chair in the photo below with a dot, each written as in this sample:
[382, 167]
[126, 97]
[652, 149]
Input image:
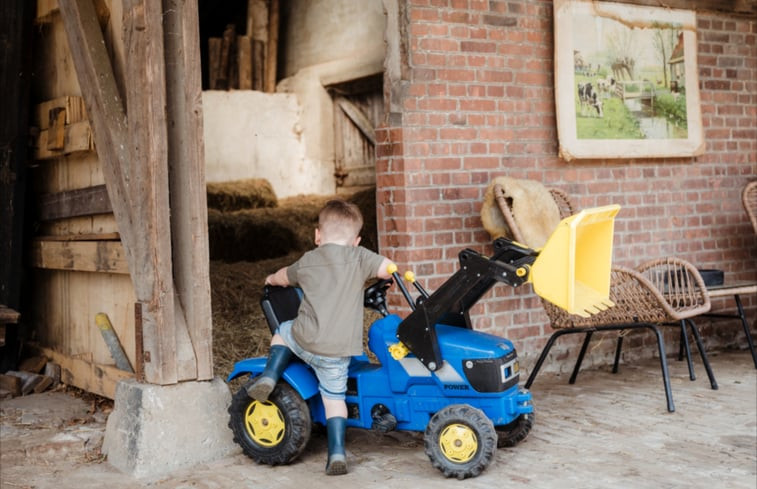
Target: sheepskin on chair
[532, 206]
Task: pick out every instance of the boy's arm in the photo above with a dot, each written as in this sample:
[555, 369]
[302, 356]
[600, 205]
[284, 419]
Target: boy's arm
[279, 278]
[382, 271]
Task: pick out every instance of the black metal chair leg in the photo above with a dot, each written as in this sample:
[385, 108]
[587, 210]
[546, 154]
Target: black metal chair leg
[744, 322]
[664, 368]
[544, 354]
[687, 349]
[703, 354]
[618, 347]
[580, 358]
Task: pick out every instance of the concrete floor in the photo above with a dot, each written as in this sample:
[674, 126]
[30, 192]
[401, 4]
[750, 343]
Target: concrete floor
[606, 431]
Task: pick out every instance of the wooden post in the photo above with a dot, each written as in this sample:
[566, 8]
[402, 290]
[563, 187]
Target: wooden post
[186, 171]
[273, 41]
[135, 158]
[148, 145]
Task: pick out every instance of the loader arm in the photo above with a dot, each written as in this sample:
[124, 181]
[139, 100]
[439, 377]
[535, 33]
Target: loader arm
[572, 271]
[451, 301]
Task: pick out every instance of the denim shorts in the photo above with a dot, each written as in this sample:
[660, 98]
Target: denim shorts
[331, 371]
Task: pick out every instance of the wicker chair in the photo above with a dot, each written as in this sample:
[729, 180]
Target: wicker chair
[749, 199]
[659, 292]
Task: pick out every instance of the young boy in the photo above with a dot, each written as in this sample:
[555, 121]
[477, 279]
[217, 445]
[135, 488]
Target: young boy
[328, 329]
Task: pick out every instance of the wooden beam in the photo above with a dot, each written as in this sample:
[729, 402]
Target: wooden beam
[82, 237]
[358, 118]
[85, 374]
[79, 256]
[148, 156]
[104, 106]
[88, 201]
[739, 7]
[189, 224]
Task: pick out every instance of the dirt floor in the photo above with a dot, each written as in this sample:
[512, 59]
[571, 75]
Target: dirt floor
[606, 431]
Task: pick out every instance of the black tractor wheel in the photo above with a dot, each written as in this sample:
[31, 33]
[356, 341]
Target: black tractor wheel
[272, 432]
[460, 441]
[514, 432]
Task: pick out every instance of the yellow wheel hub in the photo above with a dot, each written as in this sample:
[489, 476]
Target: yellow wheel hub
[264, 423]
[458, 443]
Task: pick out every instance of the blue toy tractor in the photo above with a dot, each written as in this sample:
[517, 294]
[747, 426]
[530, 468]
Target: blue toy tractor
[434, 373]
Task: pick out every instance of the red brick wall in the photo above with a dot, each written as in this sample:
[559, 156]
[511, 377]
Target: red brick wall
[475, 100]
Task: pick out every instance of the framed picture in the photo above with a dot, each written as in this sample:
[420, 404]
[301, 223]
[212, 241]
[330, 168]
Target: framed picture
[626, 82]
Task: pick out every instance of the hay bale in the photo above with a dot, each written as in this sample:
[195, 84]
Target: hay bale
[366, 201]
[252, 193]
[260, 234]
[246, 246]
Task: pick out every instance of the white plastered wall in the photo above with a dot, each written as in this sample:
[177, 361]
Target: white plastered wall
[287, 137]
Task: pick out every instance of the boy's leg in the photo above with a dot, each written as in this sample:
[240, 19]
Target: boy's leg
[278, 359]
[336, 426]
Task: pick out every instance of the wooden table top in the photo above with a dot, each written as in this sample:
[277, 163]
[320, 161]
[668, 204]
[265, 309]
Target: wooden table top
[733, 288]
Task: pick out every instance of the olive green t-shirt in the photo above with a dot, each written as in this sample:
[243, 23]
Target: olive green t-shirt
[330, 319]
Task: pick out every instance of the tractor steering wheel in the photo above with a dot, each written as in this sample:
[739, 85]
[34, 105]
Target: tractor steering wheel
[375, 296]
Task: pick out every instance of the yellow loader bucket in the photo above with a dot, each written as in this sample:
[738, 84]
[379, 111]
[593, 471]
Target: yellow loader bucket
[572, 271]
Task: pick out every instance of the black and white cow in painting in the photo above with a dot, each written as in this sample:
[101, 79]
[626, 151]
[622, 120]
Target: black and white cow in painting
[589, 100]
[605, 87]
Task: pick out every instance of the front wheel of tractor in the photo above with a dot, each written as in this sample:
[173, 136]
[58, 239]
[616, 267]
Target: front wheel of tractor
[460, 441]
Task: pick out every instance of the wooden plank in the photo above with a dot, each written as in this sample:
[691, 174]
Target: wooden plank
[45, 11]
[74, 203]
[214, 62]
[224, 65]
[82, 237]
[189, 225]
[76, 137]
[8, 315]
[34, 364]
[258, 64]
[97, 378]
[273, 42]
[72, 105]
[11, 383]
[244, 62]
[82, 256]
[358, 118]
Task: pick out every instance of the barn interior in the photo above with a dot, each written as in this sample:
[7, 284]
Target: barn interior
[290, 103]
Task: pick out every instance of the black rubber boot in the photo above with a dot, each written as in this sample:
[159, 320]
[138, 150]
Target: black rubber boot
[278, 359]
[337, 463]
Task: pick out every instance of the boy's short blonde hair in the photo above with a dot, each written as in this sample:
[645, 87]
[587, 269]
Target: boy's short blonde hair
[340, 220]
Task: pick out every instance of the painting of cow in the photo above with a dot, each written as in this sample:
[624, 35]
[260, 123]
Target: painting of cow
[589, 100]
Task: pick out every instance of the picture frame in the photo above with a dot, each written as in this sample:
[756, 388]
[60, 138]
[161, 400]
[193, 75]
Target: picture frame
[626, 81]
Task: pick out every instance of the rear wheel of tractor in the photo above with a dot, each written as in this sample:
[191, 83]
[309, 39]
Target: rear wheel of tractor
[514, 432]
[460, 441]
[272, 432]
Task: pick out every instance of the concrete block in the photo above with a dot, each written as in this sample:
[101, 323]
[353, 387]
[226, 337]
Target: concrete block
[155, 430]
